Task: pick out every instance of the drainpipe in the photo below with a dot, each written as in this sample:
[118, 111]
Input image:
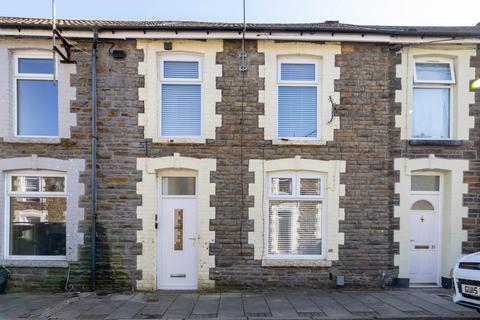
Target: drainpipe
[94, 161]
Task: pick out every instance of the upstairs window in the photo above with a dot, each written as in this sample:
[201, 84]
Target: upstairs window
[180, 97]
[295, 216]
[36, 97]
[432, 99]
[36, 222]
[298, 96]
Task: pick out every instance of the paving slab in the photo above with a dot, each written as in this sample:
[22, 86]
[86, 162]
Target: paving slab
[434, 298]
[127, 310]
[279, 306]
[425, 305]
[181, 307]
[381, 308]
[231, 305]
[351, 303]
[207, 305]
[399, 304]
[329, 306]
[255, 305]
[156, 308]
[101, 309]
[74, 309]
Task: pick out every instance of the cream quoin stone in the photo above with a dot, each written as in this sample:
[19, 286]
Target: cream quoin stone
[461, 121]
[66, 93]
[452, 234]
[334, 190]
[327, 76]
[151, 168]
[207, 50]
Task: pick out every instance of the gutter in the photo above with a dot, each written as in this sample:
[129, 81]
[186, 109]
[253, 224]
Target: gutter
[362, 30]
[94, 162]
[230, 35]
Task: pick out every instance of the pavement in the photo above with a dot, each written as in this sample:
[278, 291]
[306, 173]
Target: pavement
[413, 303]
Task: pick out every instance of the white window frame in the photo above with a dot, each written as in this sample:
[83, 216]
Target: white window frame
[433, 61]
[434, 84]
[34, 194]
[297, 83]
[193, 81]
[32, 76]
[297, 175]
[428, 173]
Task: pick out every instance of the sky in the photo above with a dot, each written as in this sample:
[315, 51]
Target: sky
[382, 12]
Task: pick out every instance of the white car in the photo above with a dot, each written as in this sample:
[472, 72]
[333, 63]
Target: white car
[466, 281]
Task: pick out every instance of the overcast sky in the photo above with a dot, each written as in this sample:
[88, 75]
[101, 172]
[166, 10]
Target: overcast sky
[385, 12]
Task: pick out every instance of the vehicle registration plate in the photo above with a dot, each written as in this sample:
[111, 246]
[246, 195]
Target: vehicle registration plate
[471, 290]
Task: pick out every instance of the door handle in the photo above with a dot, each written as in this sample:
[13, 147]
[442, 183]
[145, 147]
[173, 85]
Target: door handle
[194, 240]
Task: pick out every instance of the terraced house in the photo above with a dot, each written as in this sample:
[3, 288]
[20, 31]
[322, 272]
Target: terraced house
[303, 155]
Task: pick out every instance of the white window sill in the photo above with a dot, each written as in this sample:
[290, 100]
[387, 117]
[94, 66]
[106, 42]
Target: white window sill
[298, 142]
[53, 140]
[34, 263]
[295, 263]
[199, 140]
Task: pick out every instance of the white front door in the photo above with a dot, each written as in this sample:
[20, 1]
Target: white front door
[424, 219]
[177, 234]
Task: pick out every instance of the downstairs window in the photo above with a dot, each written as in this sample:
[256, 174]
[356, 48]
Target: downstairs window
[295, 216]
[36, 223]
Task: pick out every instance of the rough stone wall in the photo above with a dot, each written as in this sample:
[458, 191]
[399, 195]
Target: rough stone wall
[364, 112]
[119, 146]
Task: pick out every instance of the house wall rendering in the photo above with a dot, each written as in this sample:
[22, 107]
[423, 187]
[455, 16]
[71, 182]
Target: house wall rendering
[304, 167]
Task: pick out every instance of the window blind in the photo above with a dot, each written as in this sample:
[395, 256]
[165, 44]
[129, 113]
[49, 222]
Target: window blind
[431, 113]
[180, 69]
[295, 227]
[181, 110]
[297, 111]
[297, 72]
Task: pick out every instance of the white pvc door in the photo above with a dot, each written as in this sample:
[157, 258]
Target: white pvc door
[424, 220]
[177, 235]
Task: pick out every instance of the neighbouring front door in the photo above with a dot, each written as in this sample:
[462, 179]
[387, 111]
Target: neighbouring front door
[177, 234]
[424, 219]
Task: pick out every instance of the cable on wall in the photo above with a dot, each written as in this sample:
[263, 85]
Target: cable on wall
[54, 27]
[243, 69]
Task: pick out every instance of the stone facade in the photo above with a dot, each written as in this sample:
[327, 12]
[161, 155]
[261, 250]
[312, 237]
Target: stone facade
[367, 141]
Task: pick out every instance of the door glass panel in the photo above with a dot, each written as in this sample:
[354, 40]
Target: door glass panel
[178, 232]
[178, 186]
[425, 183]
[422, 205]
